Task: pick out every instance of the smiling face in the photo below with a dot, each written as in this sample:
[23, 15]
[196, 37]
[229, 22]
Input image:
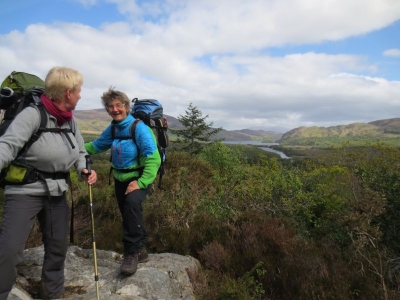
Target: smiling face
[117, 110]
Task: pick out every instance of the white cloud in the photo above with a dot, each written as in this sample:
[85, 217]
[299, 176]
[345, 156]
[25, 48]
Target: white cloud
[248, 25]
[87, 3]
[215, 55]
[392, 52]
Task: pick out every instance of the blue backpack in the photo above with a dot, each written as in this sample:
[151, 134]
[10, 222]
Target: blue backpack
[150, 112]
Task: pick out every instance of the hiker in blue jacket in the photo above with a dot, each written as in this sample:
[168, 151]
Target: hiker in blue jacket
[135, 164]
[44, 196]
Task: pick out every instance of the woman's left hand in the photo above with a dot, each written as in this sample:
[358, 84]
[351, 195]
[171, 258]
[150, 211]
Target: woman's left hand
[92, 178]
[133, 186]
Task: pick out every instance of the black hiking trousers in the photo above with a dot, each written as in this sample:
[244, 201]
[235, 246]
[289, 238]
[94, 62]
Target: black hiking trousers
[20, 212]
[130, 206]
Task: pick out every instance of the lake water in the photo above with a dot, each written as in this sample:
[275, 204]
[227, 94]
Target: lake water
[261, 145]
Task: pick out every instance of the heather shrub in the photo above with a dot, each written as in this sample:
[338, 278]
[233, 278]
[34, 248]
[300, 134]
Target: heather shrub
[171, 211]
[321, 228]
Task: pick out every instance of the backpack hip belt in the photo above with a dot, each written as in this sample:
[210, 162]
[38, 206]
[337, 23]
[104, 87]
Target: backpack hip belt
[45, 175]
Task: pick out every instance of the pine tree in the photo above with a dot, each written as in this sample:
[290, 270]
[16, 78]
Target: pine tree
[196, 131]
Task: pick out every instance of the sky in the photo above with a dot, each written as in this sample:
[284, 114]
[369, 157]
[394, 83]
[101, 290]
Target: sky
[260, 64]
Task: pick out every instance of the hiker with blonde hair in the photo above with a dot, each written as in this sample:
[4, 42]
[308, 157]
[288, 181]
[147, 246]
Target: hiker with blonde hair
[42, 194]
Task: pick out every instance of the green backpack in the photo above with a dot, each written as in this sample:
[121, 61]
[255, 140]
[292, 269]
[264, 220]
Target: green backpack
[21, 82]
[16, 85]
[18, 91]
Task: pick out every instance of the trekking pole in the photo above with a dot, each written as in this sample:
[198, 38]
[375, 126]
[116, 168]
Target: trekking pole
[96, 275]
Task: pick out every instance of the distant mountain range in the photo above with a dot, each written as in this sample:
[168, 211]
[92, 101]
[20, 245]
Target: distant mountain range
[387, 130]
[96, 120]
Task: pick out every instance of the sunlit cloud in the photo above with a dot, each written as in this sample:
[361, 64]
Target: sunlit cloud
[392, 52]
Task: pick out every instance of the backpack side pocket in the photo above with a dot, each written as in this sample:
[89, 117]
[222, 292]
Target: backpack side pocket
[19, 173]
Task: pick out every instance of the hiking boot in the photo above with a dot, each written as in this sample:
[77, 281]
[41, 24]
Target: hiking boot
[142, 255]
[129, 265]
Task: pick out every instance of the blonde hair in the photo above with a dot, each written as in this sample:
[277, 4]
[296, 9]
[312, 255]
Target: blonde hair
[60, 79]
[111, 95]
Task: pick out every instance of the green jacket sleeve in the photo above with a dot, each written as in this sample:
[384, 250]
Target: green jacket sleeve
[151, 164]
[90, 149]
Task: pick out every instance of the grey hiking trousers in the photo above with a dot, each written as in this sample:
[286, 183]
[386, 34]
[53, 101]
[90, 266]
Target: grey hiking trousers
[19, 215]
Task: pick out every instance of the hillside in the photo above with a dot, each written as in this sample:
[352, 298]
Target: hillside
[247, 135]
[387, 131]
[96, 120]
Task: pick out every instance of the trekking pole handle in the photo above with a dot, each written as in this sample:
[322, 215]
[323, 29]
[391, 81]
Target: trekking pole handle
[88, 162]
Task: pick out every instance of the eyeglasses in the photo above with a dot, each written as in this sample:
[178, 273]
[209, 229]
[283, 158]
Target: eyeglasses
[118, 106]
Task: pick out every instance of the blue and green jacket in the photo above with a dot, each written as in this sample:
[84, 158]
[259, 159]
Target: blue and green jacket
[129, 159]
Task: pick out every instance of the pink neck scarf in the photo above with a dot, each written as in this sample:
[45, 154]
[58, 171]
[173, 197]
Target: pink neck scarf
[62, 116]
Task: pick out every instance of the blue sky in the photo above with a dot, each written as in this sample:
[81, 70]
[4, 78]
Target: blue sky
[271, 64]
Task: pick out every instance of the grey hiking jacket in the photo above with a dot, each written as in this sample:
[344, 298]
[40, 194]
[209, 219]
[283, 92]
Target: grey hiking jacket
[50, 153]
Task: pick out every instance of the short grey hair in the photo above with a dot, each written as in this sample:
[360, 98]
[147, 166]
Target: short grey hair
[111, 95]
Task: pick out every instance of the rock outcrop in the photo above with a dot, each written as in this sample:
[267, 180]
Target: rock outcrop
[164, 276]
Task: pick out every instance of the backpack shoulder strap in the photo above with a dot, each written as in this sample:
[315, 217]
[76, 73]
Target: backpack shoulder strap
[112, 131]
[133, 128]
[37, 134]
[43, 123]
[72, 126]
[114, 137]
